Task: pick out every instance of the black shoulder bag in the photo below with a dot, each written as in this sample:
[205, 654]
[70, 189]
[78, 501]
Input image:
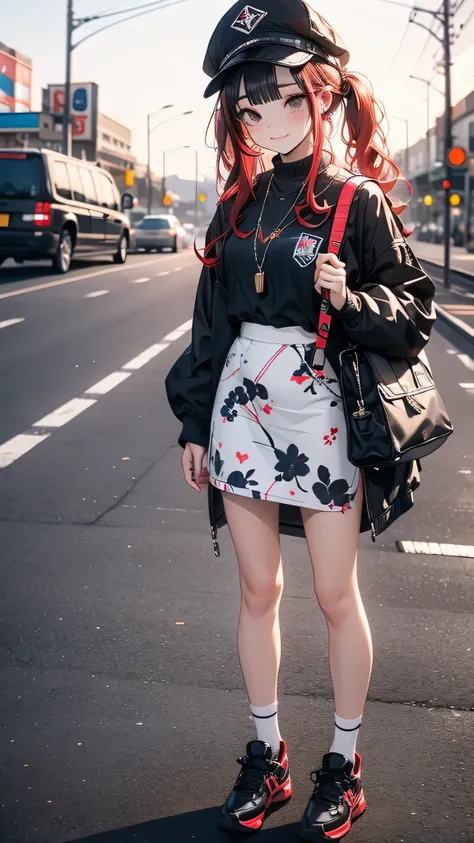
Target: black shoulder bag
[394, 412]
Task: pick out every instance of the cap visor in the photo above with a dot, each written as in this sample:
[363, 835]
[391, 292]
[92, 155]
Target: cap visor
[284, 56]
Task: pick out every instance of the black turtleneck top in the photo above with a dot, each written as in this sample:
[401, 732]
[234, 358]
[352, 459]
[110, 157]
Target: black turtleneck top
[389, 306]
[289, 297]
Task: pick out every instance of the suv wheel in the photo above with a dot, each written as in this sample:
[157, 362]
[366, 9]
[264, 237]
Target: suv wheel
[121, 253]
[63, 256]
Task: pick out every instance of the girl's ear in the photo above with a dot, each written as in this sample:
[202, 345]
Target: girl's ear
[325, 99]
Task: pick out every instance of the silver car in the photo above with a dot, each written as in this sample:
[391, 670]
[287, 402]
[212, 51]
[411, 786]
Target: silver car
[159, 232]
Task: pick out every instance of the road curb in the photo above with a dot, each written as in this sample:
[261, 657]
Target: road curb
[457, 324]
[462, 272]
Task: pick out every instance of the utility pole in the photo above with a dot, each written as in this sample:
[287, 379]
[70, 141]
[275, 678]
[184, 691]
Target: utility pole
[448, 139]
[163, 186]
[443, 15]
[148, 165]
[196, 190]
[67, 144]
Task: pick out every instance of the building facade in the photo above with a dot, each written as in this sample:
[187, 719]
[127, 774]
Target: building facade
[15, 80]
[95, 137]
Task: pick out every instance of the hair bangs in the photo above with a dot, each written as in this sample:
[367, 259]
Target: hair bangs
[260, 83]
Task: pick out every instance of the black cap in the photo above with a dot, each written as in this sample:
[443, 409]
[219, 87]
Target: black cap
[285, 32]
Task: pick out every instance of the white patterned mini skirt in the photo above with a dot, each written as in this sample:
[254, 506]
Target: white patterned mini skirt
[278, 433]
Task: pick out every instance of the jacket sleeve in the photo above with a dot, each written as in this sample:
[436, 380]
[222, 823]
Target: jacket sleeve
[390, 304]
[189, 382]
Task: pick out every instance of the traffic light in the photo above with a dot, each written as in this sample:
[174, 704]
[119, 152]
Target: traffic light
[428, 200]
[457, 156]
[446, 184]
[202, 197]
[129, 178]
[455, 199]
[167, 199]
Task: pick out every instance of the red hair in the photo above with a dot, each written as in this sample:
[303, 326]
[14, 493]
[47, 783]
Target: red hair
[362, 132]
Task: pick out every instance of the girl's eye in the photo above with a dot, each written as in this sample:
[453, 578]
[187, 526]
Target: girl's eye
[295, 103]
[248, 117]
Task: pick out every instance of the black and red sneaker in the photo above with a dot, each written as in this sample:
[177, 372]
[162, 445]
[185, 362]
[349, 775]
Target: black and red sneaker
[337, 800]
[263, 783]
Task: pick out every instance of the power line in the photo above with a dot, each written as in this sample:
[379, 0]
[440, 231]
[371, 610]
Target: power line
[397, 51]
[431, 33]
[161, 4]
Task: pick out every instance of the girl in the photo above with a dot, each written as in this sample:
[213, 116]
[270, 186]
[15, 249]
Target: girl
[271, 434]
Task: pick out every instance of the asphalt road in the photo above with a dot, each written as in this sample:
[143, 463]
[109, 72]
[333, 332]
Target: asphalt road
[123, 705]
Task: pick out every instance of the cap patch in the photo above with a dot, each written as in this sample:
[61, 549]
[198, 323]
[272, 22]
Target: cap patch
[248, 19]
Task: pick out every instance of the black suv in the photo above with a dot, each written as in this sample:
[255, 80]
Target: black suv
[53, 206]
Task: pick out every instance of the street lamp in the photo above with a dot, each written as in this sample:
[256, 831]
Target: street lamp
[148, 167]
[428, 86]
[165, 153]
[149, 131]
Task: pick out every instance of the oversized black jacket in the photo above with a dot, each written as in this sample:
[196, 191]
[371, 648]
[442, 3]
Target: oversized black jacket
[389, 309]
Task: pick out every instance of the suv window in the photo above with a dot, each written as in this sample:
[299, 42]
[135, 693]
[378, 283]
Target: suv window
[21, 176]
[150, 223]
[105, 191]
[88, 185]
[61, 180]
[76, 184]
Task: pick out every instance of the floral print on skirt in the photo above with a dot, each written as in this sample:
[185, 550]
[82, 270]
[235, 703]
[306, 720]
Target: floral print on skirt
[278, 433]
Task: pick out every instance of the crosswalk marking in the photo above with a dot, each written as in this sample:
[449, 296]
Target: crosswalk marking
[9, 322]
[19, 445]
[145, 356]
[65, 413]
[108, 383]
[435, 549]
[16, 447]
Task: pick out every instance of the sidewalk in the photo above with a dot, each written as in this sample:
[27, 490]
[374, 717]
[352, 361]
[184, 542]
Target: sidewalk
[456, 304]
[460, 259]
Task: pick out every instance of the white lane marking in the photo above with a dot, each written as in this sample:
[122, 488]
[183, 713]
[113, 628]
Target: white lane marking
[467, 385]
[464, 471]
[65, 413]
[85, 277]
[96, 293]
[9, 322]
[108, 383]
[175, 335]
[468, 361]
[451, 351]
[160, 274]
[145, 356]
[177, 268]
[14, 448]
[140, 280]
[435, 549]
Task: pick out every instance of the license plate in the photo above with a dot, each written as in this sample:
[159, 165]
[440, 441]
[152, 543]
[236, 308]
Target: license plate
[4, 220]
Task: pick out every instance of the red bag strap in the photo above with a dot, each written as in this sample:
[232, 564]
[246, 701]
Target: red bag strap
[335, 239]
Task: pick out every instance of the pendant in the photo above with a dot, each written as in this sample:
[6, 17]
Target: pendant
[259, 281]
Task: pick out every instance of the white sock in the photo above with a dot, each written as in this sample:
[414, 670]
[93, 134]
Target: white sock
[345, 736]
[266, 722]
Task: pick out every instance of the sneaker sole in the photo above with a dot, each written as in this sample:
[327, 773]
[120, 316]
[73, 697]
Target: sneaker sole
[229, 822]
[319, 835]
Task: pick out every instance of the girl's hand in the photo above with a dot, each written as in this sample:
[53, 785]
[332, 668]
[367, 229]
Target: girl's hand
[194, 463]
[330, 274]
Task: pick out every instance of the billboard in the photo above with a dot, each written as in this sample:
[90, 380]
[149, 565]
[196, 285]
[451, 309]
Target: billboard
[83, 108]
[15, 83]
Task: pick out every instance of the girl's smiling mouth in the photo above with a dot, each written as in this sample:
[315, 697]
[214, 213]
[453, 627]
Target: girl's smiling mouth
[282, 137]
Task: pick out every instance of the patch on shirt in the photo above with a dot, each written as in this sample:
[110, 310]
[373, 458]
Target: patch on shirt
[248, 19]
[307, 248]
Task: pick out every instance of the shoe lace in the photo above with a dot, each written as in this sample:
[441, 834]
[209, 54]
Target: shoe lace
[328, 786]
[253, 773]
